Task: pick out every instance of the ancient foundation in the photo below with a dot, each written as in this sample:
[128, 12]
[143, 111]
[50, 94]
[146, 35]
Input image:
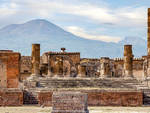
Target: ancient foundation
[69, 102]
[35, 59]
[11, 97]
[128, 61]
[96, 98]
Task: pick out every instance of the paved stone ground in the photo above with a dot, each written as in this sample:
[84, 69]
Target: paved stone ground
[34, 109]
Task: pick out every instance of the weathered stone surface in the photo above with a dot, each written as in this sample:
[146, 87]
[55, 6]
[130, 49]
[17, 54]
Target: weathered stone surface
[115, 98]
[45, 98]
[35, 59]
[61, 64]
[10, 69]
[81, 71]
[11, 97]
[148, 35]
[105, 66]
[69, 102]
[128, 61]
[100, 98]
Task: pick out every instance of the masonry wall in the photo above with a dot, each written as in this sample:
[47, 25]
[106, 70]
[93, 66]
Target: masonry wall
[11, 97]
[10, 69]
[102, 98]
[25, 67]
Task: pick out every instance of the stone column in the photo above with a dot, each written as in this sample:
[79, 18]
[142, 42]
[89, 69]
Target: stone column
[148, 33]
[58, 68]
[148, 45]
[105, 67]
[49, 67]
[128, 61]
[81, 71]
[36, 59]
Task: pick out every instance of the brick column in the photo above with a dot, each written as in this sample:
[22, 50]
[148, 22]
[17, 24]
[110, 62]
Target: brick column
[36, 59]
[81, 71]
[128, 61]
[105, 67]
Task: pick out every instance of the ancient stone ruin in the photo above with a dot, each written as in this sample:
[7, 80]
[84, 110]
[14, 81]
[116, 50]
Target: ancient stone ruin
[116, 82]
[69, 102]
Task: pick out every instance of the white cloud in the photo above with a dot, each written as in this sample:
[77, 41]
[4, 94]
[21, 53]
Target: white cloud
[126, 16]
[7, 9]
[24, 10]
[82, 33]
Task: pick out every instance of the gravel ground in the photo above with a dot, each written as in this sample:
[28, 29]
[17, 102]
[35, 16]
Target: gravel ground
[34, 109]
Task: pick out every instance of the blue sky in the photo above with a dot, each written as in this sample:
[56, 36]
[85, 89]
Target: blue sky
[106, 20]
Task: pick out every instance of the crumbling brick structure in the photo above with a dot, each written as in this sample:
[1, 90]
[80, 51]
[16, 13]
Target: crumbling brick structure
[61, 64]
[69, 102]
[105, 66]
[128, 61]
[9, 69]
[36, 59]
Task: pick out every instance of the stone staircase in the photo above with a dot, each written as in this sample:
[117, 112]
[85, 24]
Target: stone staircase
[30, 97]
[146, 97]
[91, 82]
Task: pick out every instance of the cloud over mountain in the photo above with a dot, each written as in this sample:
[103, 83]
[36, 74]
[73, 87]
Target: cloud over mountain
[19, 37]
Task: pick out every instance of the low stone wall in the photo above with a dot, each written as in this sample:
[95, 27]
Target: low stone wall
[101, 98]
[115, 98]
[11, 97]
[45, 98]
[69, 102]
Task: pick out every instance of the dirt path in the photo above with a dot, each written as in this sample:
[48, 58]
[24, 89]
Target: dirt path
[33, 109]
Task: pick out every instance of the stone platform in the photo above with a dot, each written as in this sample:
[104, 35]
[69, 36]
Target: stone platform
[53, 83]
[99, 97]
[11, 97]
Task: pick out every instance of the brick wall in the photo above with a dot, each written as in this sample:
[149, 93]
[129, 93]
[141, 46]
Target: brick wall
[9, 74]
[102, 98]
[45, 98]
[11, 98]
[115, 98]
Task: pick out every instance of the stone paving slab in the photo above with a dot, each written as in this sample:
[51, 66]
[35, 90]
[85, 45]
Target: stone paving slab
[35, 109]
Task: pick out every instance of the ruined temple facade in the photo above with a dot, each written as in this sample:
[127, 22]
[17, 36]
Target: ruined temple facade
[15, 68]
[33, 79]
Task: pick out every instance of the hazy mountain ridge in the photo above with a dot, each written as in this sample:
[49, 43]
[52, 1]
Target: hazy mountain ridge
[19, 37]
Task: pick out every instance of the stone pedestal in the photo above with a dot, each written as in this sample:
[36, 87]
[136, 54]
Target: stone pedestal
[105, 67]
[69, 102]
[128, 61]
[81, 71]
[35, 59]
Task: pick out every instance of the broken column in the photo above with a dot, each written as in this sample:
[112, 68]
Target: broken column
[81, 71]
[58, 68]
[128, 61]
[105, 67]
[36, 59]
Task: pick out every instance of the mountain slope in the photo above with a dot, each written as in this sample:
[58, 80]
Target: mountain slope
[19, 37]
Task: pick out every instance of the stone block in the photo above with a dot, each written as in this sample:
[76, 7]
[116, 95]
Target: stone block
[69, 102]
[11, 97]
